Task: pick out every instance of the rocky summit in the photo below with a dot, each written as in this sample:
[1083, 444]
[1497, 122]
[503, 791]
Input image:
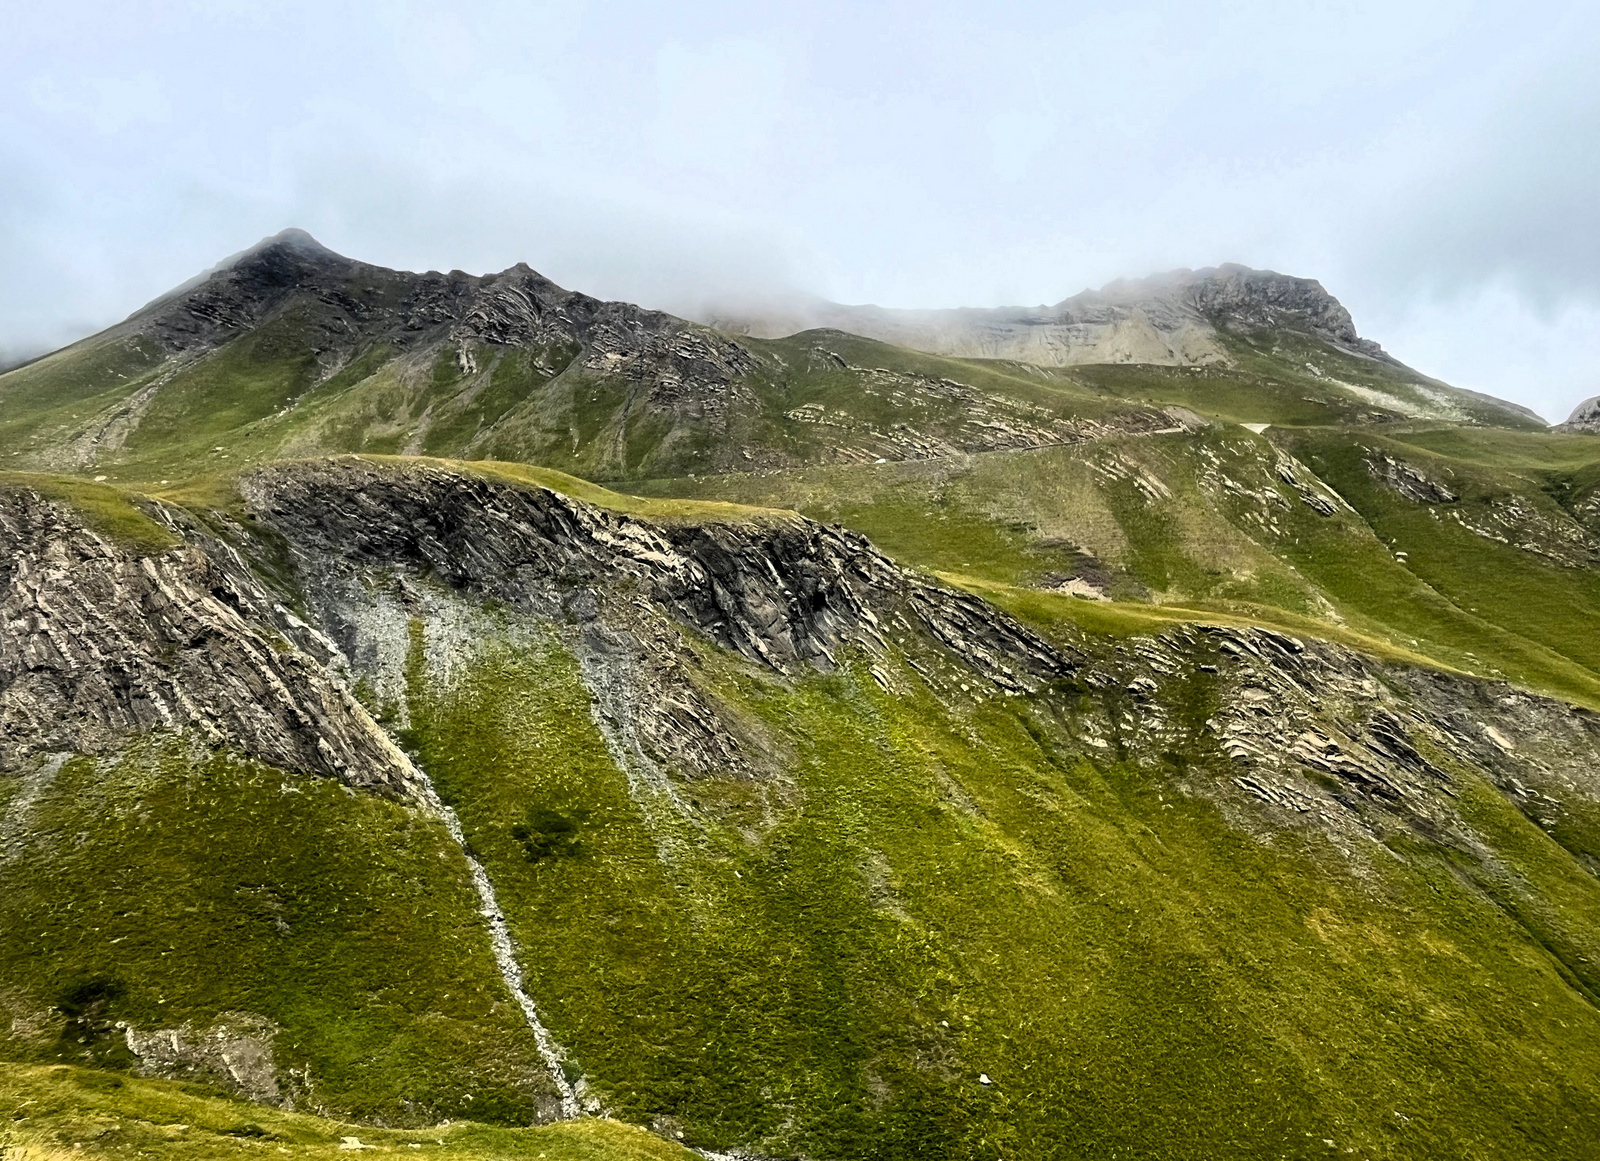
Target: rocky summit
[1585, 417]
[453, 714]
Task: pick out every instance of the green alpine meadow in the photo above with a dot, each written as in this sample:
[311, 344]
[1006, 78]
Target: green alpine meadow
[453, 716]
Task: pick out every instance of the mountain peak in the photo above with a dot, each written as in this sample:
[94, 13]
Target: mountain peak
[1584, 417]
[290, 242]
[1176, 318]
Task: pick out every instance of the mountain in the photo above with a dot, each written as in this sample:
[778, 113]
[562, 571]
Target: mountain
[1178, 319]
[289, 349]
[959, 758]
[1584, 417]
[1187, 318]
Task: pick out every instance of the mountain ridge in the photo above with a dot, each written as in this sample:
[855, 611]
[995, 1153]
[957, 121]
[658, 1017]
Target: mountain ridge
[905, 756]
[886, 826]
[1178, 297]
[289, 349]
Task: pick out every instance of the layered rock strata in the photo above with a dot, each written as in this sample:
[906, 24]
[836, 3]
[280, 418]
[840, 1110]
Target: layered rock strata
[99, 641]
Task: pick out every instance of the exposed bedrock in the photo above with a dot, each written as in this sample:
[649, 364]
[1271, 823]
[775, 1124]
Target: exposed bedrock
[783, 592]
[99, 640]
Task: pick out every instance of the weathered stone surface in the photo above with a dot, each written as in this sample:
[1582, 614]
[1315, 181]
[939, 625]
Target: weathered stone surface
[1324, 737]
[98, 640]
[235, 1053]
[1408, 480]
[1584, 418]
[781, 592]
[345, 305]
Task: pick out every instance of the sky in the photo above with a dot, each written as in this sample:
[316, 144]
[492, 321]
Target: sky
[1435, 165]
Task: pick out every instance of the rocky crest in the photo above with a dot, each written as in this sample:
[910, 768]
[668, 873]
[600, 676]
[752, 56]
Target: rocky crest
[1327, 739]
[103, 642]
[1238, 298]
[1172, 319]
[1584, 418]
[348, 305]
[783, 592]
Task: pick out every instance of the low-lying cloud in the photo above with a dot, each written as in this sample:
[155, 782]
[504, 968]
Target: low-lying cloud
[1431, 163]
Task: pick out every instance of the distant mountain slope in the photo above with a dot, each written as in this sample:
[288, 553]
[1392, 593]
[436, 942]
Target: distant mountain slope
[1186, 318]
[1584, 418]
[290, 349]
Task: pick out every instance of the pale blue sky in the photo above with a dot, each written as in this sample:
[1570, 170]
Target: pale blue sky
[1436, 165]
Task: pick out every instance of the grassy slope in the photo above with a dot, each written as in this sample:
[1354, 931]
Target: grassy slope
[110, 511]
[830, 960]
[1011, 518]
[266, 394]
[169, 887]
[50, 401]
[52, 1112]
[1501, 583]
[947, 890]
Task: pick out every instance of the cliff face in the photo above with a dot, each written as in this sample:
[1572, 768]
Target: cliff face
[1237, 298]
[100, 642]
[1319, 735]
[103, 642]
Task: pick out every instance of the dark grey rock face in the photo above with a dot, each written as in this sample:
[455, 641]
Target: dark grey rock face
[1238, 298]
[1408, 480]
[99, 641]
[784, 592]
[1317, 736]
[340, 306]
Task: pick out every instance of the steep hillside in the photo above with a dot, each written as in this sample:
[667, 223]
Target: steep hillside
[915, 756]
[1474, 547]
[740, 831]
[289, 349]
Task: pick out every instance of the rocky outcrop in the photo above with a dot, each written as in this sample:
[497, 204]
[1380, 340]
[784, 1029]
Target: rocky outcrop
[782, 592]
[1585, 418]
[99, 640]
[1171, 319]
[1312, 735]
[341, 305]
[1237, 298]
[1313, 732]
[1407, 480]
[380, 546]
[235, 1054]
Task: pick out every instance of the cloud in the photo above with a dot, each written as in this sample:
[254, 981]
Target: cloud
[1430, 162]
